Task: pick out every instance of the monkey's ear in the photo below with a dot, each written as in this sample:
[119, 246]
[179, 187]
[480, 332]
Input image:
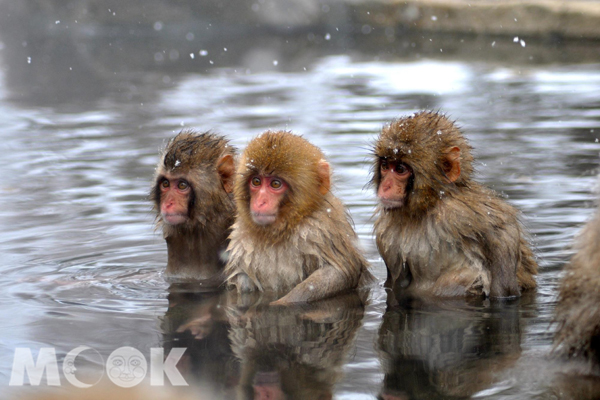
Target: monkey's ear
[452, 164]
[324, 177]
[226, 169]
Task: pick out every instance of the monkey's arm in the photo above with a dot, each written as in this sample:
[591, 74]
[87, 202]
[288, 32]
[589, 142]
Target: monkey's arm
[504, 278]
[503, 262]
[324, 282]
[242, 283]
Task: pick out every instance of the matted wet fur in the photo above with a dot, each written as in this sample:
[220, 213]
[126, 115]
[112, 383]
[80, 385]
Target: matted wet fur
[312, 231]
[450, 237]
[196, 247]
[578, 309]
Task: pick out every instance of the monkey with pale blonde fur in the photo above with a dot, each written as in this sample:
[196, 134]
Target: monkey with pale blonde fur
[292, 236]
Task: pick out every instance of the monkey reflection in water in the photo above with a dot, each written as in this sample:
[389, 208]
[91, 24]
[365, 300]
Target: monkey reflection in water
[196, 321]
[297, 351]
[447, 349]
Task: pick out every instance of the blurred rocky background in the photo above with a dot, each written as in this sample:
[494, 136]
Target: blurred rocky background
[51, 47]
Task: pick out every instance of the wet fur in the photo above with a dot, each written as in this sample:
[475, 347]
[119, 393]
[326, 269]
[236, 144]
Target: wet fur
[449, 238]
[195, 248]
[312, 232]
[578, 309]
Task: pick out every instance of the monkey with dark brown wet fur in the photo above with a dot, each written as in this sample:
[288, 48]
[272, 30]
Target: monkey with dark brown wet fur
[292, 236]
[194, 205]
[439, 232]
[578, 309]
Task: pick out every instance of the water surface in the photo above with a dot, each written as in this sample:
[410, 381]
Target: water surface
[80, 134]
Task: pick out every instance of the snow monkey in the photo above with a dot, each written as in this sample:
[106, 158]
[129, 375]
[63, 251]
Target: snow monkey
[439, 232]
[292, 236]
[192, 196]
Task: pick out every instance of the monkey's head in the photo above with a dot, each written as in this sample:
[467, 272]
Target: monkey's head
[282, 179]
[193, 178]
[418, 160]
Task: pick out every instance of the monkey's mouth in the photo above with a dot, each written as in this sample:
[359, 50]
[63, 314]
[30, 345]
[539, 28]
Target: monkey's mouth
[390, 204]
[174, 219]
[263, 219]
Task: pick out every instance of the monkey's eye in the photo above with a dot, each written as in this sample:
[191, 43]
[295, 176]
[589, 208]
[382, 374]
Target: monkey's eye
[182, 185]
[256, 181]
[164, 183]
[384, 165]
[401, 169]
[276, 184]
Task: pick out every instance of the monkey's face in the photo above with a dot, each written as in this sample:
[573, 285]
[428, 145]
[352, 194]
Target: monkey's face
[394, 180]
[266, 195]
[175, 195]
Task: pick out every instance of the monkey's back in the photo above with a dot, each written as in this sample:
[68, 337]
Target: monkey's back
[505, 240]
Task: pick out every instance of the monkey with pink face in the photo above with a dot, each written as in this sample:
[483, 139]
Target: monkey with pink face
[438, 231]
[292, 236]
[193, 202]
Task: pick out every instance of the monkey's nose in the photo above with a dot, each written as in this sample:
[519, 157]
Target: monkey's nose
[387, 186]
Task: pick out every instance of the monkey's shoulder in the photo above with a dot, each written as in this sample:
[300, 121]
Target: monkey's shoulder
[476, 210]
[331, 235]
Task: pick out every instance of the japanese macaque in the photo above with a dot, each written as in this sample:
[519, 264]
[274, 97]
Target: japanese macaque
[439, 232]
[193, 200]
[291, 236]
[578, 309]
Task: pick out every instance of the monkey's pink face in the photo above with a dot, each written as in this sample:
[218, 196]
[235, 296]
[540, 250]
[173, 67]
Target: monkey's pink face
[266, 193]
[175, 194]
[394, 181]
